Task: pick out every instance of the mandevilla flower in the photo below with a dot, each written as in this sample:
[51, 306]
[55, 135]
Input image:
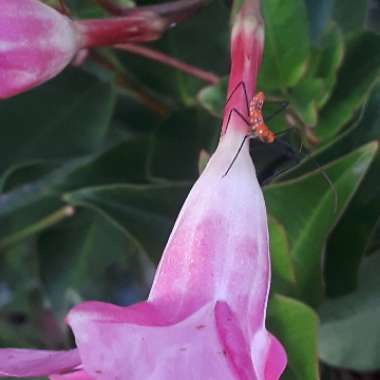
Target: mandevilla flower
[37, 42]
[205, 315]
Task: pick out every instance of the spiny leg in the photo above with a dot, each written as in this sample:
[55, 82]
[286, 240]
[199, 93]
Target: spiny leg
[239, 114]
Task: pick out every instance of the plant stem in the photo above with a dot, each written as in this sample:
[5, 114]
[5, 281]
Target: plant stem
[39, 226]
[170, 61]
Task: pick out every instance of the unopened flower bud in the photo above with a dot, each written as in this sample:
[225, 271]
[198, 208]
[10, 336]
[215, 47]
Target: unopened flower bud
[36, 43]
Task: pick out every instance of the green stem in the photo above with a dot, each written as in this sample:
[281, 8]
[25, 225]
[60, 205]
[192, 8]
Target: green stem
[39, 226]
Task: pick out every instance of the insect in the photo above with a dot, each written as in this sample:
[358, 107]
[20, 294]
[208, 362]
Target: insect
[260, 131]
[255, 121]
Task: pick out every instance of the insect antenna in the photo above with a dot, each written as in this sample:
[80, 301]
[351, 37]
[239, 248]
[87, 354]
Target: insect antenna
[283, 106]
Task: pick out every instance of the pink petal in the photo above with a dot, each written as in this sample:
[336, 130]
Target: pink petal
[36, 43]
[30, 363]
[77, 375]
[204, 345]
[268, 355]
[218, 249]
[276, 360]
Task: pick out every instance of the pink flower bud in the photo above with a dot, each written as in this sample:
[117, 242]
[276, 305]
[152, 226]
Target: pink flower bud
[36, 43]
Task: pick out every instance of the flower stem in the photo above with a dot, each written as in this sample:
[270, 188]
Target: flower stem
[170, 61]
[39, 226]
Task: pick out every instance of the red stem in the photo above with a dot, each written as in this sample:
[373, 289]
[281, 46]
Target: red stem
[170, 61]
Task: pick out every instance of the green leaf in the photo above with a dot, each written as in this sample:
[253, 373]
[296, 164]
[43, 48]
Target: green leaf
[351, 14]
[357, 76]
[344, 254]
[124, 162]
[67, 117]
[316, 86]
[213, 98]
[296, 326]
[319, 13]
[286, 44]
[95, 260]
[305, 207]
[145, 214]
[178, 143]
[350, 329]
[39, 190]
[304, 99]
[327, 60]
[27, 184]
[283, 276]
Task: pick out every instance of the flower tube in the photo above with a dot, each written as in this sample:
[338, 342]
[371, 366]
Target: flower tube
[37, 42]
[205, 315]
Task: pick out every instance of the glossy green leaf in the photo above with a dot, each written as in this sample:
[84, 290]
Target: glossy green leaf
[296, 326]
[316, 86]
[146, 214]
[304, 99]
[350, 329]
[310, 201]
[357, 76]
[283, 276]
[328, 59]
[287, 45]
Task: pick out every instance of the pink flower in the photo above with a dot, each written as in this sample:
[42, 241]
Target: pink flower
[205, 315]
[37, 42]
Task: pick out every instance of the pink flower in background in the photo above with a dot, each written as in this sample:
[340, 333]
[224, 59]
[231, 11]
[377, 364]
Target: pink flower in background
[37, 42]
[205, 315]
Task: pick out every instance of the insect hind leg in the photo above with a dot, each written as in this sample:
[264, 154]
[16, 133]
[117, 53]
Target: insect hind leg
[242, 84]
[237, 113]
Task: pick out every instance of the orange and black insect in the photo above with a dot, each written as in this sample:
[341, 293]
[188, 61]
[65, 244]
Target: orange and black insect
[260, 131]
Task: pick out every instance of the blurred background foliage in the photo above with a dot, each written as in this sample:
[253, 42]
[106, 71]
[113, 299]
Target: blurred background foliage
[94, 167]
